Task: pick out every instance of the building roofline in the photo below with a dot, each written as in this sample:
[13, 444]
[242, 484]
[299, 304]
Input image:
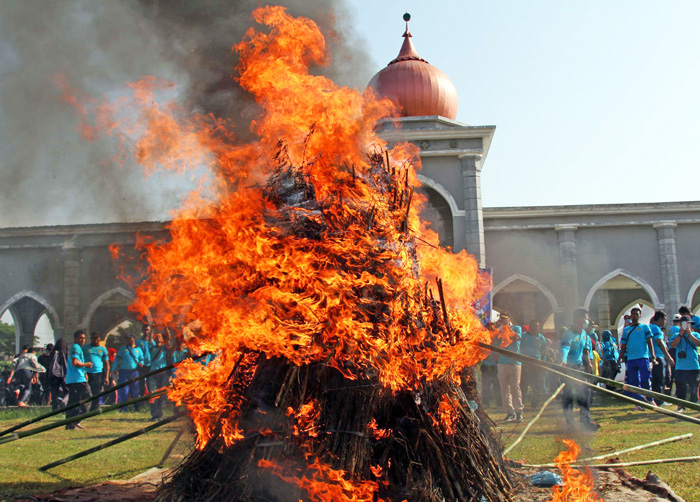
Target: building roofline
[587, 209]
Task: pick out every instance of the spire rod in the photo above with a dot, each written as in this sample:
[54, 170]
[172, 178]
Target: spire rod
[407, 18]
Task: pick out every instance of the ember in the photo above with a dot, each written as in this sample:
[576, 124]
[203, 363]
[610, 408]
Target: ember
[342, 331]
[578, 486]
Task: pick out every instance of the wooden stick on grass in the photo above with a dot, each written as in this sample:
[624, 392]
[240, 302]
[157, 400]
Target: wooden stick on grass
[621, 464]
[539, 414]
[92, 398]
[170, 449]
[20, 435]
[118, 440]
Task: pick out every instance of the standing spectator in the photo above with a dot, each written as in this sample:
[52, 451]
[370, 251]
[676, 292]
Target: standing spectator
[111, 398]
[533, 344]
[694, 319]
[26, 368]
[636, 345]
[44, 359]
[686, 343]
[159, 359]
[490, 388]
[610, 356]
[664, 361]
[76, 381]
[675, 329]
[127, 362]
[145, 343]
[509, 375]
[56, 370]
[98, 375]
[575, 348]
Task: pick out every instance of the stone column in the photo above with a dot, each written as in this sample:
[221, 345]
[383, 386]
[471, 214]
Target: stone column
[604, 310]
[474, 218]
[568, 269]
[71, 291]
[666, 235]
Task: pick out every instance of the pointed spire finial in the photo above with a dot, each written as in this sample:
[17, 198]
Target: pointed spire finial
[407, 18]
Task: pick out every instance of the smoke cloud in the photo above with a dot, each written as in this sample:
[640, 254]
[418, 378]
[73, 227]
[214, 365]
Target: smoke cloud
[49, 175]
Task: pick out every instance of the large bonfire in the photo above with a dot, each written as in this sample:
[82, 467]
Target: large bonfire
[342, 333]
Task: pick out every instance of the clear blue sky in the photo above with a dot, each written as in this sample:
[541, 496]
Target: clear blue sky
[595, 101]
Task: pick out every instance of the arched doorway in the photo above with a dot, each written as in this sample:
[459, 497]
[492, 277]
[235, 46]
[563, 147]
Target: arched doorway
[107, 311]
[616, 293]
[26, 310]
[438, 212]
[693, 300]
[525, 299]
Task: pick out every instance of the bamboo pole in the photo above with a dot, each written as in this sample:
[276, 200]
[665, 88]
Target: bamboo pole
[20, 435]
[118, 440]
[621, 464]
[582, 374]
[92, 398]
[628, 450]
[539, 414]
[550, 367]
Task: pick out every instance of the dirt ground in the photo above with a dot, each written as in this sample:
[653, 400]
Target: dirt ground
[142, 488]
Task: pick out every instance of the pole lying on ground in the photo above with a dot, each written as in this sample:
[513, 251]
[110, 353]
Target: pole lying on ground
[527, 428]
[118, 440]
[20, 435]
[628, 450]
[621, 464]
[92, 398]
[170, 449]
[583, 374]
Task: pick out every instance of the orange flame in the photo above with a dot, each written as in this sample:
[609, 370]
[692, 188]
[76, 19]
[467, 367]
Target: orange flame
[376, 432]
[237, 281]
[578, 486]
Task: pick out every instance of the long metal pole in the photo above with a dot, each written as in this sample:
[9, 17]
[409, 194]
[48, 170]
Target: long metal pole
[92, 398]
[118, 440]
[582, 374]
[20, 435]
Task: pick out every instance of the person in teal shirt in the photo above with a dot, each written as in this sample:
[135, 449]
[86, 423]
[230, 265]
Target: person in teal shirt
[145, 343]
[97, 376]
[159, 359]
[180, 353]
[686, 343]
[664, 361]
[636, 344]
[575, 349]
[533, 344]
[127, 362]
[76, 381]
[509, 371]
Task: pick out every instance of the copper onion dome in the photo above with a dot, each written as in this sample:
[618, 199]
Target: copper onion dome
[415, 85]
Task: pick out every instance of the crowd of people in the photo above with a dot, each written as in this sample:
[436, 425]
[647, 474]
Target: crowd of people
[65, 374]
[654, 356]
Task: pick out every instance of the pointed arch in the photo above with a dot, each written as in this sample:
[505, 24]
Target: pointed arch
[611, 275]
[519, 277]
[631, 304]
[691, 293]
[50, 311]
[101, 299]
[444, 192]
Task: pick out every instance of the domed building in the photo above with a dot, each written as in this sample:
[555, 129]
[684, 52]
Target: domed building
[544, 261]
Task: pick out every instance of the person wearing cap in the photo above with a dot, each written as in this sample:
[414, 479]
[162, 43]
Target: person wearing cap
[664, 361]
[686, 343]
[636, 344]
[509, 371]
[574, 353]
[694, 319]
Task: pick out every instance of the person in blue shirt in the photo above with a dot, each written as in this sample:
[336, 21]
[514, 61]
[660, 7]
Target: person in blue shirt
[180, 352]
[686, 343]
[509, 371]
[694, 319]
[145, 343]
[610, 355]
[159, 359]
[98, 374]
[76, 381]
[675, 329]
[664, 361]
[127, 362]
[575, 349]
[636, 343]
[533, 344]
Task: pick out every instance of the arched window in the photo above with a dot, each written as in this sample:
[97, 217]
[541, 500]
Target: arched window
[107, 310]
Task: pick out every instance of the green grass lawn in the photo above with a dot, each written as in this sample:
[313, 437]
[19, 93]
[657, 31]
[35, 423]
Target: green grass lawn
[19, 460]
[621, 428]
